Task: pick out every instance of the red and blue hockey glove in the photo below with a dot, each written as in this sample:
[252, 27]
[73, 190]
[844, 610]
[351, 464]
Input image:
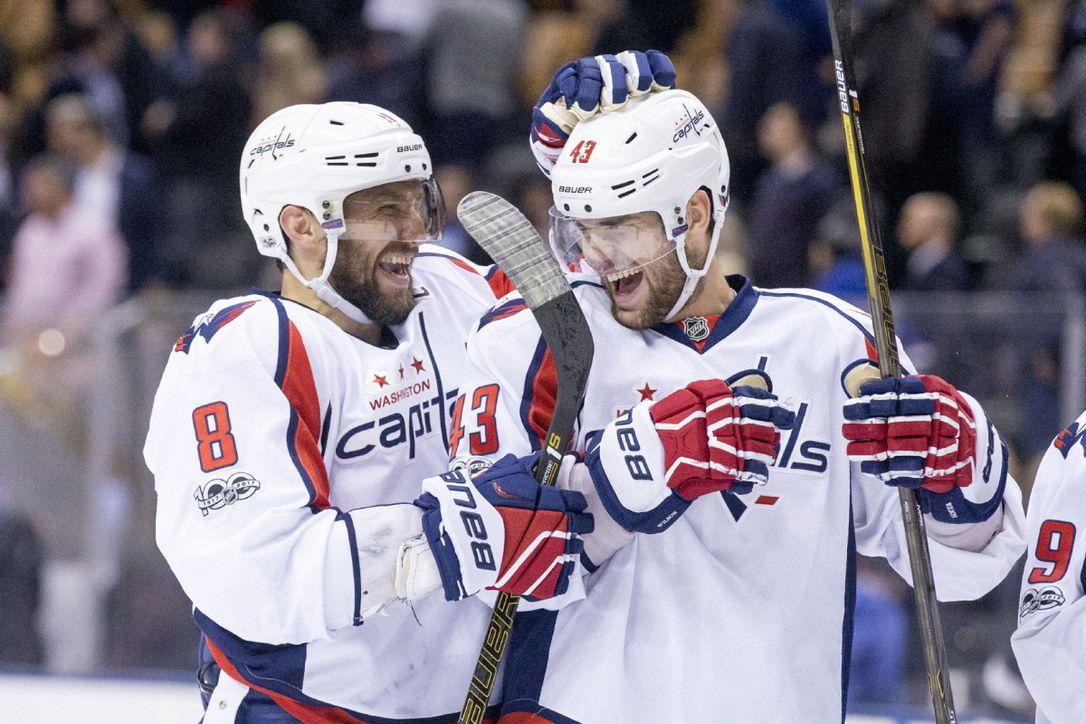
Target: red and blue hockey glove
[582, 88]
[653, 461]
[503, 530]
[915, 431]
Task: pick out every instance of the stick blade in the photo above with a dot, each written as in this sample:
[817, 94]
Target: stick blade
[514, 245]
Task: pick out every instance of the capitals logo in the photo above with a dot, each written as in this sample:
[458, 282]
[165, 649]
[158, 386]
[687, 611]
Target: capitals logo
[210, 325]
[688, 124]
[273, 145]
[1068, 437]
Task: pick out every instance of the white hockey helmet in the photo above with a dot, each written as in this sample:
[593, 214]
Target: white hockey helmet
[315, 156]
[651, 155]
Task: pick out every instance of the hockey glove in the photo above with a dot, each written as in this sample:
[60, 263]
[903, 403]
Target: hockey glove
[915, 431]
[654, 460]
[503, 530]
[582, 88]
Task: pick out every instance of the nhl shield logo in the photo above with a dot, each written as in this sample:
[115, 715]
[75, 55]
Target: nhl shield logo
[696, 328]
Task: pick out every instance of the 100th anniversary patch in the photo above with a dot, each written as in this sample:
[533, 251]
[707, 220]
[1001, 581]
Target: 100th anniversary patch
[217, 493]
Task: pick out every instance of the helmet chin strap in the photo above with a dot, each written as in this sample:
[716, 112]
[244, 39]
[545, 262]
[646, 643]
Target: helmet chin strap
[693, 276]
[322, 288]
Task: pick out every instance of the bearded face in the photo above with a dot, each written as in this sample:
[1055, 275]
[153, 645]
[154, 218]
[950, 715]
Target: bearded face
[645, 301]
[376, 280]
[634, 258]
[384, 227]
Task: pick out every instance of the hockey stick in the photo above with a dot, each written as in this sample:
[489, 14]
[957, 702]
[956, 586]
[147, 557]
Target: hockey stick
[517, 248]
[882, 318]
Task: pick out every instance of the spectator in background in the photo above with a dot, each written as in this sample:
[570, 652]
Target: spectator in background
[895, 48]
[789, 200]
[199, 131]
[106, 61]
[22, 557]
[1050, 224]
[773, 57]
[532, 192]
[1055, 261]
[982, 30]
[381, 68]
[879, 637]
[1067, 103]
[68, 267]
[291, 70]
[111, 182]
[835, 257]
[456, 182]
[645, 24]
[927, 229]
[473, 55]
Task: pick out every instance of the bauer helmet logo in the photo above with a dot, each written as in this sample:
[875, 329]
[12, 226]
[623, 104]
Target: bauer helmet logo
[407, 149]
[574, 189]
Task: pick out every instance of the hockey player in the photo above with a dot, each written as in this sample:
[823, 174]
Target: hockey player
[735, 604]
[291, 432]
[1050, 643]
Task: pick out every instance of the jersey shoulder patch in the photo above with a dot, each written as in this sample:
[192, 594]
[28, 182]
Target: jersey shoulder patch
[232, 328]
[208, 325]
[506, 307]
[1072, 435]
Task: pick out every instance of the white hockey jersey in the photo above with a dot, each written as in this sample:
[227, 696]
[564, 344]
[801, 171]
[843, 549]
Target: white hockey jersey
[1050, 643]
[271, 429]
[742, 610]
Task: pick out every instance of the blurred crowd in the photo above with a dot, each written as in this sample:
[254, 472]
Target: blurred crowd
[121, 124]
[121, 120]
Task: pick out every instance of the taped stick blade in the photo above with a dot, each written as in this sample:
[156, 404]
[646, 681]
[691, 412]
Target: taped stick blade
[514, 245]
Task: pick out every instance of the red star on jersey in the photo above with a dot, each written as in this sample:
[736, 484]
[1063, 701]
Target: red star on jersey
[417, 364]
[647, 392]
[380, 380]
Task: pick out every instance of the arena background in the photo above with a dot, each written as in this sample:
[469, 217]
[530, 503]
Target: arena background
[979, 106]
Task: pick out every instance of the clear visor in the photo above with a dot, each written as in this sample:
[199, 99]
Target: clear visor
[610, 246]
[411, 212]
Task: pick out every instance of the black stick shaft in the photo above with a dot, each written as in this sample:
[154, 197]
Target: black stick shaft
[878, 293]
[570, 344]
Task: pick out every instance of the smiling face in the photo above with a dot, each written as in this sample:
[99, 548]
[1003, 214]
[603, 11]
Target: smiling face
[636, 263]
[635, 259]
[384, 227]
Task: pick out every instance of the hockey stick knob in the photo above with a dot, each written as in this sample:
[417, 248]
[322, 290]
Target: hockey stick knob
[859, 376]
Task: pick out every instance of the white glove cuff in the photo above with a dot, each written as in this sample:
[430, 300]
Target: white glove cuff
[634, 446]
[386, 535]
